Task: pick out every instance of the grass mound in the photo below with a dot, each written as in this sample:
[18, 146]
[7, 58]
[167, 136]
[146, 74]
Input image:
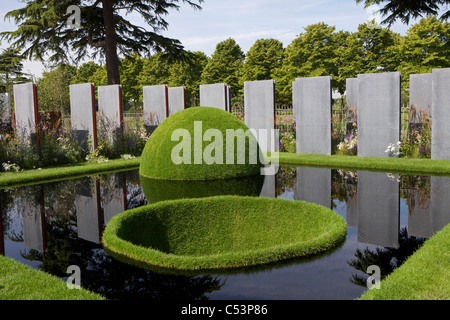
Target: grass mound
[193, 145]
[222, 232]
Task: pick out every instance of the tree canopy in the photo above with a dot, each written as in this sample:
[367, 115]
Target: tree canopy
[407, 10]
[43, 30]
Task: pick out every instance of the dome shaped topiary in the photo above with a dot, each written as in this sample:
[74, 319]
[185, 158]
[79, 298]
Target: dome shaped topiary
[201, 143]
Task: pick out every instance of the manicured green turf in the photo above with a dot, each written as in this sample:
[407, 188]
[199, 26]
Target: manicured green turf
[424, 276]
[10, 179]
[169, 155]
[21, 282]
[222, 232]
[400, 165]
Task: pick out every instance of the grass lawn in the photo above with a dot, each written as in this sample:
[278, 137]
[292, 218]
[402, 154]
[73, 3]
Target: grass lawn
[21, 282]
[424, 276]
[398, 165]
[10, 179]
[222, 232]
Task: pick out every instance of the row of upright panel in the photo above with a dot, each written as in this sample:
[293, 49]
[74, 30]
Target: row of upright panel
[376, 97]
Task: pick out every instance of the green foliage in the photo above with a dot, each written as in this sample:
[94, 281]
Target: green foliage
[222, 232]
[54, 89]
[310, 54]
[225, 65]
[426, 46]
[405, 10]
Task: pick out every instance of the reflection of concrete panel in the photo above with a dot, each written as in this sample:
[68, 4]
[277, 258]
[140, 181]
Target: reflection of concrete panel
[440, 137]
[110, 108]
[269, 187]
[420, 86]
[177, 99]
[419, 216]
[352, 93]
[114, 201]
[214, 95]
[440, 203]
[259, 104]
[87, 208]
[82, 112]
[156, 104]
[378, 209]
[352, 211]
[378, 113]
[312, 101]
[314, 185]
[5, 108]
[32, 225]
[25, 109]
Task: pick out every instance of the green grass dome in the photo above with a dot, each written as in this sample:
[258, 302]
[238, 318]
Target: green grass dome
[192, 145]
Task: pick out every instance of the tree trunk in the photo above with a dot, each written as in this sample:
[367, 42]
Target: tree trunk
[112, 59]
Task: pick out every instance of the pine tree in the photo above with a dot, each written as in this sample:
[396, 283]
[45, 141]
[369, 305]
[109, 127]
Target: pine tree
[43, 30]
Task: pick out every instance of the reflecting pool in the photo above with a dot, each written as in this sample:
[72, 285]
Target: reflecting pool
[55, 225]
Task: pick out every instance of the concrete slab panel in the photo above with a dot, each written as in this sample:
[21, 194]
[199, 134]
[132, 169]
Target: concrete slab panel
[352, 93]
[88, 211]
[214, 95]
[114, 201]
[259, 106]
[420, 91]
[440, 130]
[83, 114]
[379, 101]
[312, 100]
[314, 185]
[177, 99]
[33, 233]
[378, 209]
[156, 104]
[110, 111]
[26, 111]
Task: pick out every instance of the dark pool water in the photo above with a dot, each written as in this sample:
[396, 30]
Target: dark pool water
[56, 225]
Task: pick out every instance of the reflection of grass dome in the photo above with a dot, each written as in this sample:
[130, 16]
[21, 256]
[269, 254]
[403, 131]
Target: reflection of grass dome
[157, 190]
[177, 151]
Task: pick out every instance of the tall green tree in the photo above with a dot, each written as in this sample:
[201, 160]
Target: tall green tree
[189, 74]
[311, 54]
[225, 65]
[43, 30]
[155, 71]
[262, 59]
[85, 73]
[426, 46]
[410, 9]
[54, 89]
[11, 67]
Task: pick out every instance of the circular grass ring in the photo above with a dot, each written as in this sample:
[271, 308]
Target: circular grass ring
[222, 232]
[198, 144]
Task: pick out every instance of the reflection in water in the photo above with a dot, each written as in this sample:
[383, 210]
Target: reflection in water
[59, 224]
[387, 259]
[378, 209]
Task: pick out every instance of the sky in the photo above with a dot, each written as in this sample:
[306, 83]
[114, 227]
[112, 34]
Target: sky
[243, 20]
